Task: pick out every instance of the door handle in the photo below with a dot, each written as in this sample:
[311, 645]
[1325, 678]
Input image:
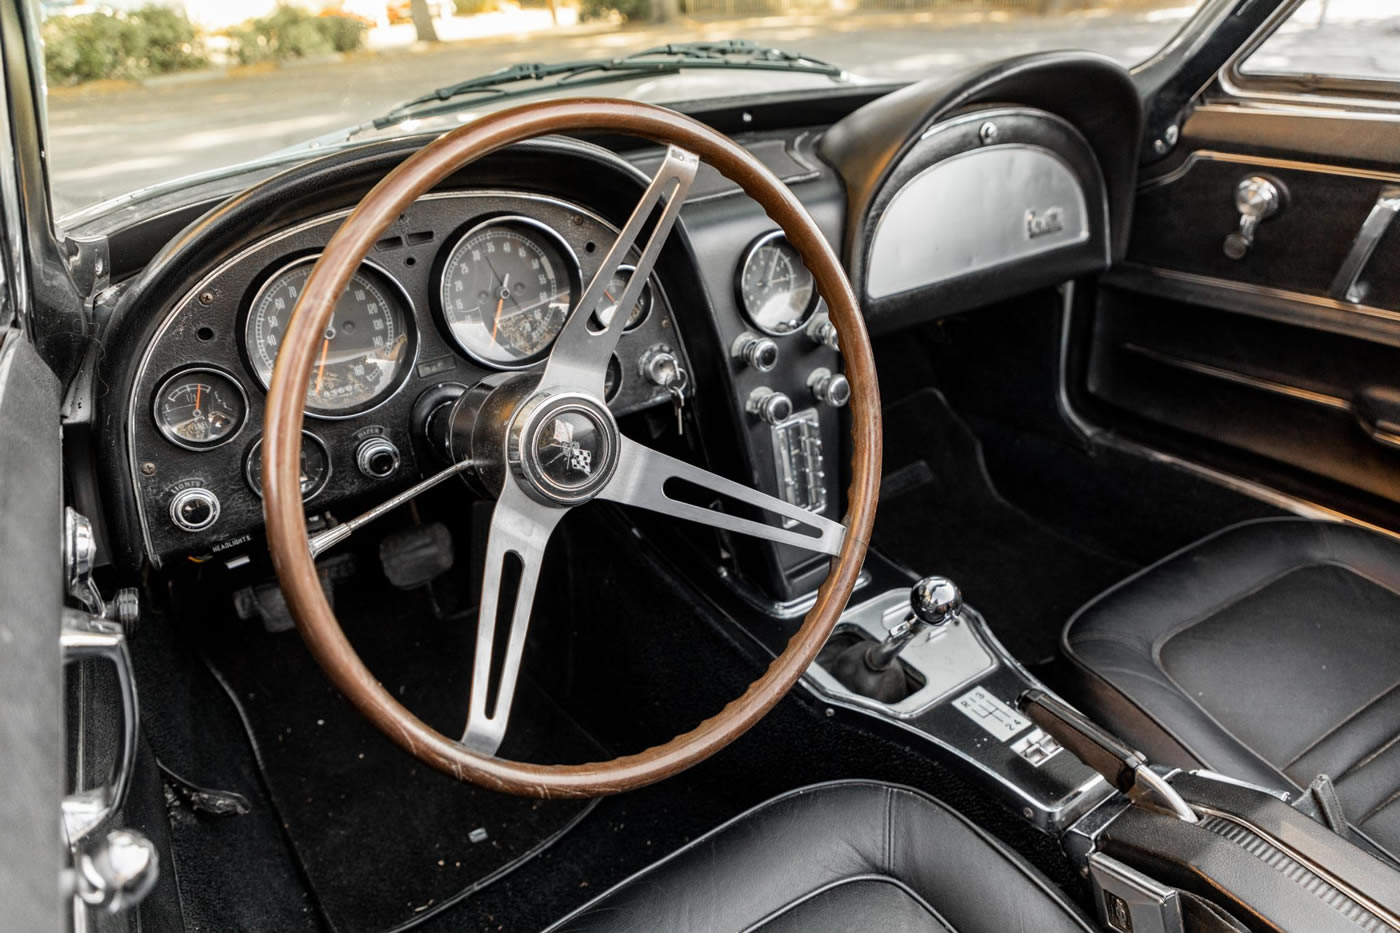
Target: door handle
[1347, 286]
[84, 637]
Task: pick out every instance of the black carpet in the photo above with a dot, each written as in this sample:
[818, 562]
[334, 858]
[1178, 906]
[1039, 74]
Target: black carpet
[385, 841]
[939, 513]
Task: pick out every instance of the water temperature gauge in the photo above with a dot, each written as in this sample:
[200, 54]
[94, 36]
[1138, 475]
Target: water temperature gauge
[200, 407]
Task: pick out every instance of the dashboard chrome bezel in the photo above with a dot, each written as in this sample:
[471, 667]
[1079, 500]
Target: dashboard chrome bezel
[185, 371]
[266, 278]
[256, 446]
[749, 314]
[439, 276]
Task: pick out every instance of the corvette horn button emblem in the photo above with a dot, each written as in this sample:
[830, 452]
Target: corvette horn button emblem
[575, 456]
[567, 449]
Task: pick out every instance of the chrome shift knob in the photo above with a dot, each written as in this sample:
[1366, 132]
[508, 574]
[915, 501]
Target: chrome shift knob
[935, 600]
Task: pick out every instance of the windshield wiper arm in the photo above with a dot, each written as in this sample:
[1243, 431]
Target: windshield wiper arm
[660, 60]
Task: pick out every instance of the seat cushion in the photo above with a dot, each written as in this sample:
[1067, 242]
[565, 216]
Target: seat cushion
[849, 855]
[1269, 651]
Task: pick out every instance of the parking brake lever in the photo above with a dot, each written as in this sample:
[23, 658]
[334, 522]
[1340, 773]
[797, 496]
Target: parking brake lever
[1098, 748]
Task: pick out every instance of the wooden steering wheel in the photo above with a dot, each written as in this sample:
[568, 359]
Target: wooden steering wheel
[516, 418]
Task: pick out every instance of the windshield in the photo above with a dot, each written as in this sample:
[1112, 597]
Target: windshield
[140, 95]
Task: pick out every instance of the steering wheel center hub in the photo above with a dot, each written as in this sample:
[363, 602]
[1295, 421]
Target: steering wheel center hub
[563, 447]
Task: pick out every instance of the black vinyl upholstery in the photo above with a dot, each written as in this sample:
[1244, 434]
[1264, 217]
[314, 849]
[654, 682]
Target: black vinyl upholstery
[1269, 651]
[849, 855]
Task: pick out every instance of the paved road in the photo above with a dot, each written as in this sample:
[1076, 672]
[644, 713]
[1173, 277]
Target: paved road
[105, 144]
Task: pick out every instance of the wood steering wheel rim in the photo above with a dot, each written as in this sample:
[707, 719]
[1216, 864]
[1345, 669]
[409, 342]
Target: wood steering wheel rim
[286, 523]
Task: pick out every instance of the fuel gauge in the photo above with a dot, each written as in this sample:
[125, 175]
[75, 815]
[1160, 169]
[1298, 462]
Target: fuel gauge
[200, 408]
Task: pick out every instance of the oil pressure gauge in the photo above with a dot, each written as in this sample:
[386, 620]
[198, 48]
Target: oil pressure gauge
[200, 408]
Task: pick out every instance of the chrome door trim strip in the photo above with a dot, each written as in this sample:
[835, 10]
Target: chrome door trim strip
[1297, 165]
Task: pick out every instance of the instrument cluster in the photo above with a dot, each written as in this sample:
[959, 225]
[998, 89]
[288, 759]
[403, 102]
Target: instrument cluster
[466, 284]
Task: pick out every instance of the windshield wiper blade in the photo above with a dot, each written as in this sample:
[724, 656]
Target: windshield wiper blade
[659, 60]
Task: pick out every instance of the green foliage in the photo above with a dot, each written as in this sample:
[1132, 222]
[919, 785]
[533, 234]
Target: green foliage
[292, 32]
[629, 10]
[148, 41]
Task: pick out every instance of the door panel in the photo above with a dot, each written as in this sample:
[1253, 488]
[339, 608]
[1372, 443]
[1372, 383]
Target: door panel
[31, 706]
[1279, 366]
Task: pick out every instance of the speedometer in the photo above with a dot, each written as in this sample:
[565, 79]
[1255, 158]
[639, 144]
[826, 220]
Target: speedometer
[365, 351]
[776, 290]
[506, 289]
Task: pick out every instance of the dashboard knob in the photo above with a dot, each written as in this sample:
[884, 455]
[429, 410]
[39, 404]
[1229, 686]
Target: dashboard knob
[194, 509]
[772, 407]
[829, 388]
[822, 331]
[377, 458]
[759, 352]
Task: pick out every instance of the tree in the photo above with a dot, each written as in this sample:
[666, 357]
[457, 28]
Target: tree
[423, 21]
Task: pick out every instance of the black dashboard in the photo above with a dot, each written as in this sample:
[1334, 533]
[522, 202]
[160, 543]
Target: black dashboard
[479, 274]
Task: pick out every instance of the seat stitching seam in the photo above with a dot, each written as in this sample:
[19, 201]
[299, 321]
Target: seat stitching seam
[1006, 854]
[841, 882]
[1209, 541]
[1349, 717]
[1368, 757]
[1380, 806]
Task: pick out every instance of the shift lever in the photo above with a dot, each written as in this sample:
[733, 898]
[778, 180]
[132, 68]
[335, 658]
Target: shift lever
[933, 602]
[870, 668]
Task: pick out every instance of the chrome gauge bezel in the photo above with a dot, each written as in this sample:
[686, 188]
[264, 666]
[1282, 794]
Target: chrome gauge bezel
[574, 271]
[750, 315]
[183, 373]
[649, 289]
[306, 436]
[410, 329]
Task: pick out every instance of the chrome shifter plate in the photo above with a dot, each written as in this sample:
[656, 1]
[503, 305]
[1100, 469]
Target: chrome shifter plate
[948, 658]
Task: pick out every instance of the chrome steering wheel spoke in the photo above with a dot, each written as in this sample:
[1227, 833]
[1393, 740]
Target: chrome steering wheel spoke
[650, 480]
[580, 356]
[520, 531]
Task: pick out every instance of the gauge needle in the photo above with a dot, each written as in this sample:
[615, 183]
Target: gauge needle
[500, 303]
[198, 392]
[321, 367]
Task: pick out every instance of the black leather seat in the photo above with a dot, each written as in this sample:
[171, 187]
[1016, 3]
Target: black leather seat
[846, 856]
[1269, 651]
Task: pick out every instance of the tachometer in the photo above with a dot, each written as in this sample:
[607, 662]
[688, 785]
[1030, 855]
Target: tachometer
[777, 291]
[367, 347]
[199, 408]
[507, 287]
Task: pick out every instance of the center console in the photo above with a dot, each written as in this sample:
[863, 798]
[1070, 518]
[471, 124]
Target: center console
[956, 701]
